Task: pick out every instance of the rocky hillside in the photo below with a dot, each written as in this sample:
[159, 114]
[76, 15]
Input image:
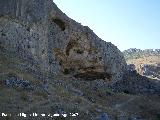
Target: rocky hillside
[147, 62]
[54, 67]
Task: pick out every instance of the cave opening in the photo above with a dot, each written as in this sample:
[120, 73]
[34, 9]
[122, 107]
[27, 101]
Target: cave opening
[60, 23]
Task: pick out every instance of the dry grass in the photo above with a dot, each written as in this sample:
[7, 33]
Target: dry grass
[145, 60]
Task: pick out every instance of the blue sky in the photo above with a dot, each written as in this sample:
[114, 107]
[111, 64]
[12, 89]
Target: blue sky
[125, 23]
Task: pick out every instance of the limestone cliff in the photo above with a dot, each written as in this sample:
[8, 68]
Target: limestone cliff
[51, 64]
[50, 43]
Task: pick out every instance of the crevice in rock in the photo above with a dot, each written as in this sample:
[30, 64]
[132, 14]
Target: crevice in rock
[43, 51]
[70, 45]
[3, 34]
[28, 46]
[79, 51]
[28, 29]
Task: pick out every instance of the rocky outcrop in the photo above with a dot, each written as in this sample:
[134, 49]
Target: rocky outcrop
[150, 70]
[50, 43]
[134, 83]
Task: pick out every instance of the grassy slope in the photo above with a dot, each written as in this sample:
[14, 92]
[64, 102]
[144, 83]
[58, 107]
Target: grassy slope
[65, 95]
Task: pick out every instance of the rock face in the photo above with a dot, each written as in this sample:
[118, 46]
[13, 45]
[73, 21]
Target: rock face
[50, 43]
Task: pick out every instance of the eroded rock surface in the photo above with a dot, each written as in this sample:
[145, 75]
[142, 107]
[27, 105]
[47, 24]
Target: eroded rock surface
[51, 43]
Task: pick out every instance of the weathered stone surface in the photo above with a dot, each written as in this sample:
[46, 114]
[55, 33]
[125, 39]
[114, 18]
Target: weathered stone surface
[50, 43]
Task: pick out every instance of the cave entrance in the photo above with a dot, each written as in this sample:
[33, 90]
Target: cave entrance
[60, 23]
